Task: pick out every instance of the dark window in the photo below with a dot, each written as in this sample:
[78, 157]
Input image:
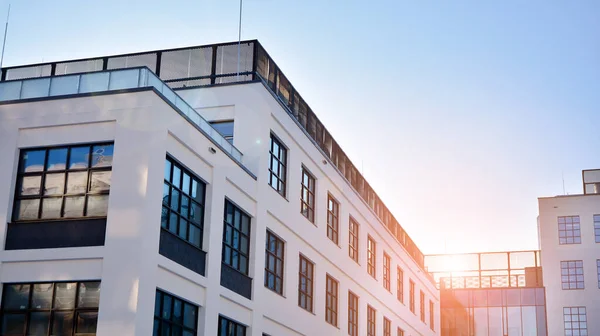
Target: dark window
[277, 166]
[63, 182]
[386, 272]
[225, 128]
[307, 197]
[387, 327]
[353, 240]
[229, 327]
[371, 257]
[331, 301]
[62, 308]
[400, 332]
[236, 238]
[183, 203]
[333, 212]
[371, 321]
[411, 296]
[431, 315]
[569, 231]
[305, 285]
[173, 316]
[575, 320]
[274, 263]
[571, 274]
[422, 306]
[400, 284]
[597, 228]
[352, 314]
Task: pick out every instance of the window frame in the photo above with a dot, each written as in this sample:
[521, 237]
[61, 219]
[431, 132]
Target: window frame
[331, 300]
[44, 172]
[309, 279]
[371, 257]
[431, 315]
[281, 161]
[422, 305]
[226, 245]
[400, 284]
[227, 137]
[161, 320]
[278, 273]
[580, 318]
[596, 219]
[352, 312]
[387, 327]
[333, 219]
[598, 271]
[165, 225]
[371, 321]
[353, 239]
[387, 261]
[572, 268]
[230, 323]
[310, 190]
[411, 294]
[573, 239]
[400, 332]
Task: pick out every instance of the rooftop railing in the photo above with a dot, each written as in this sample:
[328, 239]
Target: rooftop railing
[111, 80]
[218, 64]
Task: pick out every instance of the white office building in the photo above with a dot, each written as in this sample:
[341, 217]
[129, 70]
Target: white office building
[164, 193]
[569, 232]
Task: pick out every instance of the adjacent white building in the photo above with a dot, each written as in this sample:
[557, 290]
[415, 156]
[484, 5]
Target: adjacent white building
[569, 232]
[124, 212]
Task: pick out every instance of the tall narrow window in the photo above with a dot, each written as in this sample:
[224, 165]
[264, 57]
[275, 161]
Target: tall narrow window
[400, 332]
[236, 237]
[431, 315]
[333, 209]
[387, 327]
[575, 320]
[400, 284]
[371, 257]
[597, 228]
[386, 272]
[173, 316]
[571, 272]
[411, 296]
[61, 308]
[352, 314]
[63, 182]
[229, 327]
[274, 263]
[569, 230]
[598, 271]
[277, 166]
[183, 203]
[371, 321]
[225, 128]
[305, 285]
[353, 240]
[307, 196]
[422, 306]
[331, 301]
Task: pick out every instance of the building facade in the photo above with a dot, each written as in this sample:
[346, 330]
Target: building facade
[490, 294]
[163, 193]
[569, 232]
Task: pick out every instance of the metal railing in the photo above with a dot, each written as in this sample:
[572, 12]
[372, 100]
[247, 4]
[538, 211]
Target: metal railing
[218, 64]
[111, 80]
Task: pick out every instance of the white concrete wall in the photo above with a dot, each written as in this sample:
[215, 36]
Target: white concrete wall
[144, 129]
[553, 253]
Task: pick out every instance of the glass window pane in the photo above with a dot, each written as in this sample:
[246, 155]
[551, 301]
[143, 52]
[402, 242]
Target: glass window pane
[79, 157]
[166, 307]
[54, 184]
[102, 156]
[39, 323]
[166, 193]
[97, 205]
[167, 170]
[87, 322]
[42, 296]
[30, 185]
[65, 295]
[177, 311]
[33, 161]
[89, 295]
[157, 301]
[196, 213]
[183, 228]
[77, 182]
[189, 316]
[57, 159]
[13, 324]
[185, 186]
[185, 206]
[175, 200]
[16, 297]
[194, 235]
[176, 180]
[62, 325]
[198, 191]
[51, 207]
[74, 206]
[28, 209]
[100, 181]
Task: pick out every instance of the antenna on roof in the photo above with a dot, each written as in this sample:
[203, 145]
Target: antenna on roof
[5, 33]
[563, 181]
[239, 42]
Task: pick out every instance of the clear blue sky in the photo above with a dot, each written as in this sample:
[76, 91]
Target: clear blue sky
[462, 113]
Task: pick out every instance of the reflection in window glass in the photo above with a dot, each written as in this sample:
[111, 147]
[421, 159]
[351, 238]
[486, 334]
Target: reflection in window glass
[225, 128]
[173, 316]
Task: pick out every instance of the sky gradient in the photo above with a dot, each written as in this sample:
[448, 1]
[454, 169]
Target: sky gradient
[461, 113]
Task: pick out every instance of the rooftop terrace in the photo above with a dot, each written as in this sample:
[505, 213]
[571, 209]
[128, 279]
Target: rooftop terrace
[217, 64]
